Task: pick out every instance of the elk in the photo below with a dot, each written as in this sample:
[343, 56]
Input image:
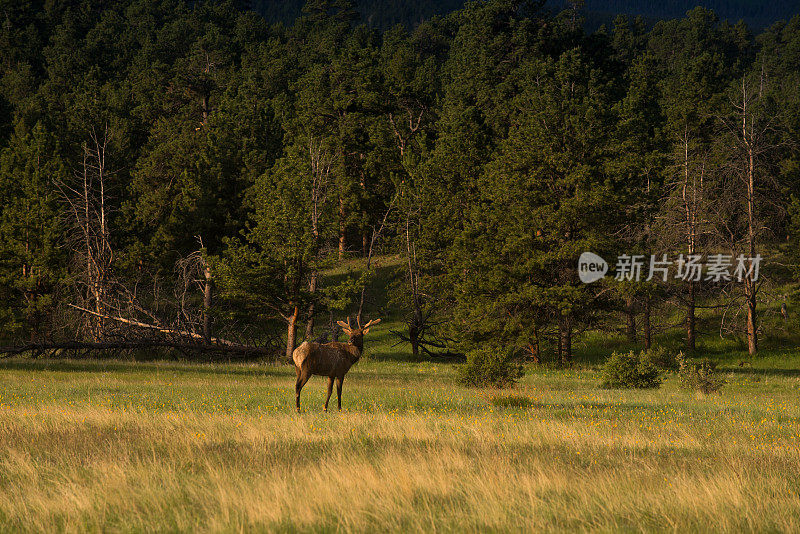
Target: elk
[332, 359]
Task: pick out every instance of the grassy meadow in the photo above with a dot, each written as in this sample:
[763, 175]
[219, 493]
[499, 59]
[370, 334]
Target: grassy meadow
[123, 446]
[104, 445]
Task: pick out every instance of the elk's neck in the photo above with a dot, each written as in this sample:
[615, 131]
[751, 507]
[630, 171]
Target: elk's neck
[358, 345]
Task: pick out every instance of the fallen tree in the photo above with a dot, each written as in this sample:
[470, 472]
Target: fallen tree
[229, 351]
[158, 329]
[138, 335]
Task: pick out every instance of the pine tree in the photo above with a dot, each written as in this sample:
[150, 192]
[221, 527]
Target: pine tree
[31, 231]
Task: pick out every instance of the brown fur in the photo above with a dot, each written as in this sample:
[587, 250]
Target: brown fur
[329, 359]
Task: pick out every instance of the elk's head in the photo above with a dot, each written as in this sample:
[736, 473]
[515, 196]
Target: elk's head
[356, 335]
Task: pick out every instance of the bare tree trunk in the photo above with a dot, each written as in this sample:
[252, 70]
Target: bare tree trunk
[417, 319]
[691, 203]
[750, 286]
[560, 342]
[646, 324]
[32, 315]
[321, 163]
[312, 289]
[104, 247]
[413, 338]
[292, 332]
[342, 229]
[333, 327]
[405, 135]
[376, 234]
[749, 283]
[534, 347]
[630, 313]
[565, 339]
[87, 199]
[690, 318]
[752, 332]
[207, 305]
[87, 232]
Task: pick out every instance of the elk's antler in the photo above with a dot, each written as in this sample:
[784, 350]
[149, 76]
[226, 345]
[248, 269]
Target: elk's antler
[372, 322]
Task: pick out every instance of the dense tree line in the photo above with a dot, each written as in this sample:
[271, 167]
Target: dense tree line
[384, 14]
[191, 169]
[380, 14]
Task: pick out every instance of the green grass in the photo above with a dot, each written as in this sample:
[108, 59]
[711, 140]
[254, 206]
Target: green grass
[107, 446]
[118, 446]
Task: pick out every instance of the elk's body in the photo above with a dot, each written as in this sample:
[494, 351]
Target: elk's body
[329, 359]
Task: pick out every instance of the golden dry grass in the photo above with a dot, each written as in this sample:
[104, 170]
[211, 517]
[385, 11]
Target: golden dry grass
[127, 447]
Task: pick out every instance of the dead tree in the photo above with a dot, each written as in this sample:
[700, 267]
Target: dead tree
[376, 234]
[416, 324]
[90, 348]
[87, 198]
[207, 302]
[195, 271]
[321, 161]
[683, 222]
[748, 149]
[406, 126]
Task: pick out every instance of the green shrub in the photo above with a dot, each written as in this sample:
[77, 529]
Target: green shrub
[631, 370]
[699, 376]
[488, 368]
[663, 358]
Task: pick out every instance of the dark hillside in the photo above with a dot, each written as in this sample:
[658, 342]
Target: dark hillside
[387, 13]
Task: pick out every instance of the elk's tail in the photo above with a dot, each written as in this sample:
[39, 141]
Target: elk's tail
[300, 354]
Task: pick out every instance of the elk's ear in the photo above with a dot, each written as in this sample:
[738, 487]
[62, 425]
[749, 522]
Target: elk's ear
[344, 325]
[365, 331]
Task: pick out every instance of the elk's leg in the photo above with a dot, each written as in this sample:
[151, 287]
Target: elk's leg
[339, 390]
[330, 390]
[302, 378]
